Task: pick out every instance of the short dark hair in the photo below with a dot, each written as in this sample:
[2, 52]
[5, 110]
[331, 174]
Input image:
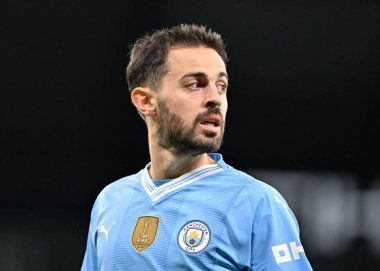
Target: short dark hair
[148, 56]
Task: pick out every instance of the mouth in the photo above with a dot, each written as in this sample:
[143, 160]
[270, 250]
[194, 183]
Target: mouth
[211, 123]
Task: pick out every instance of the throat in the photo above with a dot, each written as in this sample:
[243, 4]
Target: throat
[163, 169]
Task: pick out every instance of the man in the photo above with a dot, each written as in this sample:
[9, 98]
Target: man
[187, 209]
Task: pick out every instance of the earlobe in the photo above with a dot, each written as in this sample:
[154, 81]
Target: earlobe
[142, 99]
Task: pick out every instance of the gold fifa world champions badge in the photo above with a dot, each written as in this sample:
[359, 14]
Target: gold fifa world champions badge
[145, 232]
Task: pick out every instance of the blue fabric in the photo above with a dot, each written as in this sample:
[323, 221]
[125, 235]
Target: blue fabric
[158, 183]
[213, 218]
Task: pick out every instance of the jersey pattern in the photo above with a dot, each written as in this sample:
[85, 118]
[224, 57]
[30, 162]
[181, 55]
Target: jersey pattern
[212, 218]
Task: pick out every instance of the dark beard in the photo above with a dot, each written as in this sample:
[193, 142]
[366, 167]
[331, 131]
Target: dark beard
[174, 136]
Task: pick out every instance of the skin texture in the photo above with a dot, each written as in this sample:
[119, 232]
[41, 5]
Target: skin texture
[186, 116]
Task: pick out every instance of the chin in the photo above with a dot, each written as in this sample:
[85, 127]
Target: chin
[210, 134]
[209, 144]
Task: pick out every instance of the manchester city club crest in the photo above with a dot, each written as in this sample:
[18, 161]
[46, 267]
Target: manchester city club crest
[194, 236]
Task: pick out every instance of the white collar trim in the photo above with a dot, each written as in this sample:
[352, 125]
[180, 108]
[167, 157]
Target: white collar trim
[156, 193]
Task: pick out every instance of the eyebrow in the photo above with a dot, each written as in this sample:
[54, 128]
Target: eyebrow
[202, 74]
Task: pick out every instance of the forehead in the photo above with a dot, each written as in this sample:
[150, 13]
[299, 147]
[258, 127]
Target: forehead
[196, 59]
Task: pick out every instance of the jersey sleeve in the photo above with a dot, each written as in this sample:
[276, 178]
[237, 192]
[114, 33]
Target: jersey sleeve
[90, 262]
[275, 239]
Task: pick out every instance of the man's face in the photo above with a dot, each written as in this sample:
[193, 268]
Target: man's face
[192, 102]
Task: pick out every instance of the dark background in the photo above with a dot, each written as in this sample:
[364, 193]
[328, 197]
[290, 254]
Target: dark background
[303, 97]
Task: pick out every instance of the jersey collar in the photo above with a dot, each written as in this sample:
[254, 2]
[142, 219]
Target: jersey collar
[199, 173]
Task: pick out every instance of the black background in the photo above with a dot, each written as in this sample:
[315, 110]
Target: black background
[304, 95]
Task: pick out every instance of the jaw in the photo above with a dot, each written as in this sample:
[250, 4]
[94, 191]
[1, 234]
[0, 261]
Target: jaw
[211, 137]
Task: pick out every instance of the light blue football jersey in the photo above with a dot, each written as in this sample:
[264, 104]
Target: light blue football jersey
[212, 218]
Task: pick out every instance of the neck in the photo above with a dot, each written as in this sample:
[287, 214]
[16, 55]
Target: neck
[166, 165]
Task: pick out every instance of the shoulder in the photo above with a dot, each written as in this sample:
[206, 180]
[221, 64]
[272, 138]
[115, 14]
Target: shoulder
[263, 205]
[115, 192]
[121, 183]
[255, 197]
[251, 185]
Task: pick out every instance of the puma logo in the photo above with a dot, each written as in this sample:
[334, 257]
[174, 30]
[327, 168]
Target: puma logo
[103, 229]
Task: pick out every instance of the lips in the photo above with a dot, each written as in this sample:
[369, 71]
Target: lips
[211, 120]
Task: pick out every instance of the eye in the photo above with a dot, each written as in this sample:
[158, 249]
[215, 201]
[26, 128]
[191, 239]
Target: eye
[221, 86]
[195, 85]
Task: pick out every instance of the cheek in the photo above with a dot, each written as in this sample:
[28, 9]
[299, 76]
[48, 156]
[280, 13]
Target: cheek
[225, 107]
[185, 109]
[185, 112]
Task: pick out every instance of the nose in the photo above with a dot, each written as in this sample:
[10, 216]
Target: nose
[213, 97]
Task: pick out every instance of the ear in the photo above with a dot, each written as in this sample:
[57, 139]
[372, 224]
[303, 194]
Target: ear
[142, 99]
